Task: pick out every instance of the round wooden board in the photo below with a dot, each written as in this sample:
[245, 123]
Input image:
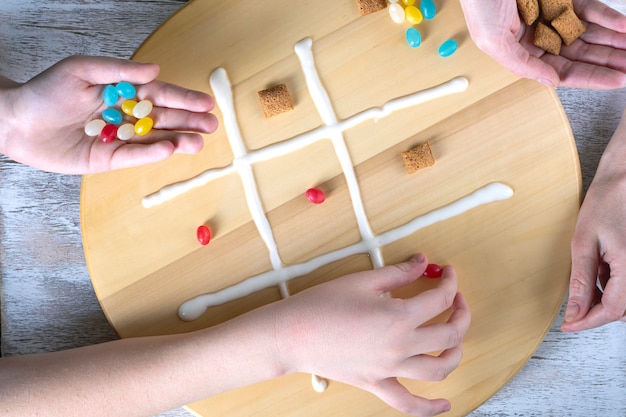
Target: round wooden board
[512, 256]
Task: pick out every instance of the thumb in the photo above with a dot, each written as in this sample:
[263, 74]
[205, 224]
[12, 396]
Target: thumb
[582, 287]
[398, 397]
[397, 276]
[106, 70]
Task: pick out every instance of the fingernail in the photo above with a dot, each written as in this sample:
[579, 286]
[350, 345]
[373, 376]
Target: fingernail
[572, 310]
[546, 82]
[419, 258]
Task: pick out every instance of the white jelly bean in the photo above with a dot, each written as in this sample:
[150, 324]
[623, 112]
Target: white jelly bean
[126, 131]
[142, 109]
[396, 12]
[94, 127]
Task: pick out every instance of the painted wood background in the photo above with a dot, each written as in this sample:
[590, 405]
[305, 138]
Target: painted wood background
[46, 299]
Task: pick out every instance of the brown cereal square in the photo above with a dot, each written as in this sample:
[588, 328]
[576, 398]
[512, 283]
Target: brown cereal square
[569, 26]
[551, 9]
[417, 158]
[275, 100]
[370, 6]
[547, 39]
[528, 10]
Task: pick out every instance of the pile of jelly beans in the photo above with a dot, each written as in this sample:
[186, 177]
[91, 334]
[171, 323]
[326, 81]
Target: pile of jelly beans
[132, 118]
[408, 10]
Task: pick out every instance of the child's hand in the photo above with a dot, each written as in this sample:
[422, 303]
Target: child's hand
[349, 330]
[597, 60]
[43, 120]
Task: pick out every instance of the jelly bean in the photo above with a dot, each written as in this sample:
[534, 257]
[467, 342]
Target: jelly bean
[112, 115]
[143, 126]
[448, 48]
[142, 109]
[128, 106]
[125, 90]
[428, 9]
[413, 37]
[413, 15]
[204, 235]
[126, 131]
[94, 127]
[396, 12]
[109, 95]
[408, 2]
[433, 271]
[108, 133]
[315, 195]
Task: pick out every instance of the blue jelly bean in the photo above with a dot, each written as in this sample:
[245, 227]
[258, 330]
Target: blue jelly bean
[112, 116]
[428, 9]
[110, 95]
[126, 90]
[413, 37]
[448, 48]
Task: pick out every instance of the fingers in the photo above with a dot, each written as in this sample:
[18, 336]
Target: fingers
[176, 97]
[105, 70]
[431, 303]
[398, 397]
[432, 368]
[445, 335]
[597, 12]
[610, 308]
[582, 287]
[397, 276]
[174, 119]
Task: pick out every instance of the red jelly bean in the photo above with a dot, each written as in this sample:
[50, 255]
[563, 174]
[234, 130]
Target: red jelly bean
[108, 133]
[204, 235]
[433, 271]
[315, 195]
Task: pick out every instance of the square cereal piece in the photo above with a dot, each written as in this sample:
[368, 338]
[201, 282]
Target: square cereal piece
[547, 39]
[275, 100]
[528, 10]
[551, 9]
[418, 158]
[569, 26]
[370, 6]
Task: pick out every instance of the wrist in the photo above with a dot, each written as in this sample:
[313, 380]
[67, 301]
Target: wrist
[7, 120]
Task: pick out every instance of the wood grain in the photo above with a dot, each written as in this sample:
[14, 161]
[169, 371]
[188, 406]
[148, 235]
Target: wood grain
[48, 305]
[501, 129]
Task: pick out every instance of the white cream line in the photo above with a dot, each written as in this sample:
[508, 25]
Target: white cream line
[195, 307]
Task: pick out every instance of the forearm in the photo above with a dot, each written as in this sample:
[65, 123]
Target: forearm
[141, 376]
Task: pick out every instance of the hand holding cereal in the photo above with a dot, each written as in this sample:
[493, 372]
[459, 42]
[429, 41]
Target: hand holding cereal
[596, 59]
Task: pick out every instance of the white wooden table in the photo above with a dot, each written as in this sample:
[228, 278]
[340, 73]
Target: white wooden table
[46, 299]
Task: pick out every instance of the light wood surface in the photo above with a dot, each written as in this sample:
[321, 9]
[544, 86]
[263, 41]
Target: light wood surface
[46, 298]
[145, 262]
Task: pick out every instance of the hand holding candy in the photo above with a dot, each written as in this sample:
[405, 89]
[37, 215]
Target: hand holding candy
[49, 113]
[596, 60]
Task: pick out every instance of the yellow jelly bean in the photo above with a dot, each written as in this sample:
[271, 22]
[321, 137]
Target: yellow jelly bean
[128, 106]
[413, 15]
[408, 2]
[143, 126]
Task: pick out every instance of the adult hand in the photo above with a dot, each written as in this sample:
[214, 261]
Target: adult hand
[599, 243]
[596, 60]
[351, 331]
[44, 118]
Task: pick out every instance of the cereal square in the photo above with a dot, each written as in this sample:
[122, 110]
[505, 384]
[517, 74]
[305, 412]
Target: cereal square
[569, 26]
[417, 158]
[547, 39]
[370, 6]
[275, 100]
